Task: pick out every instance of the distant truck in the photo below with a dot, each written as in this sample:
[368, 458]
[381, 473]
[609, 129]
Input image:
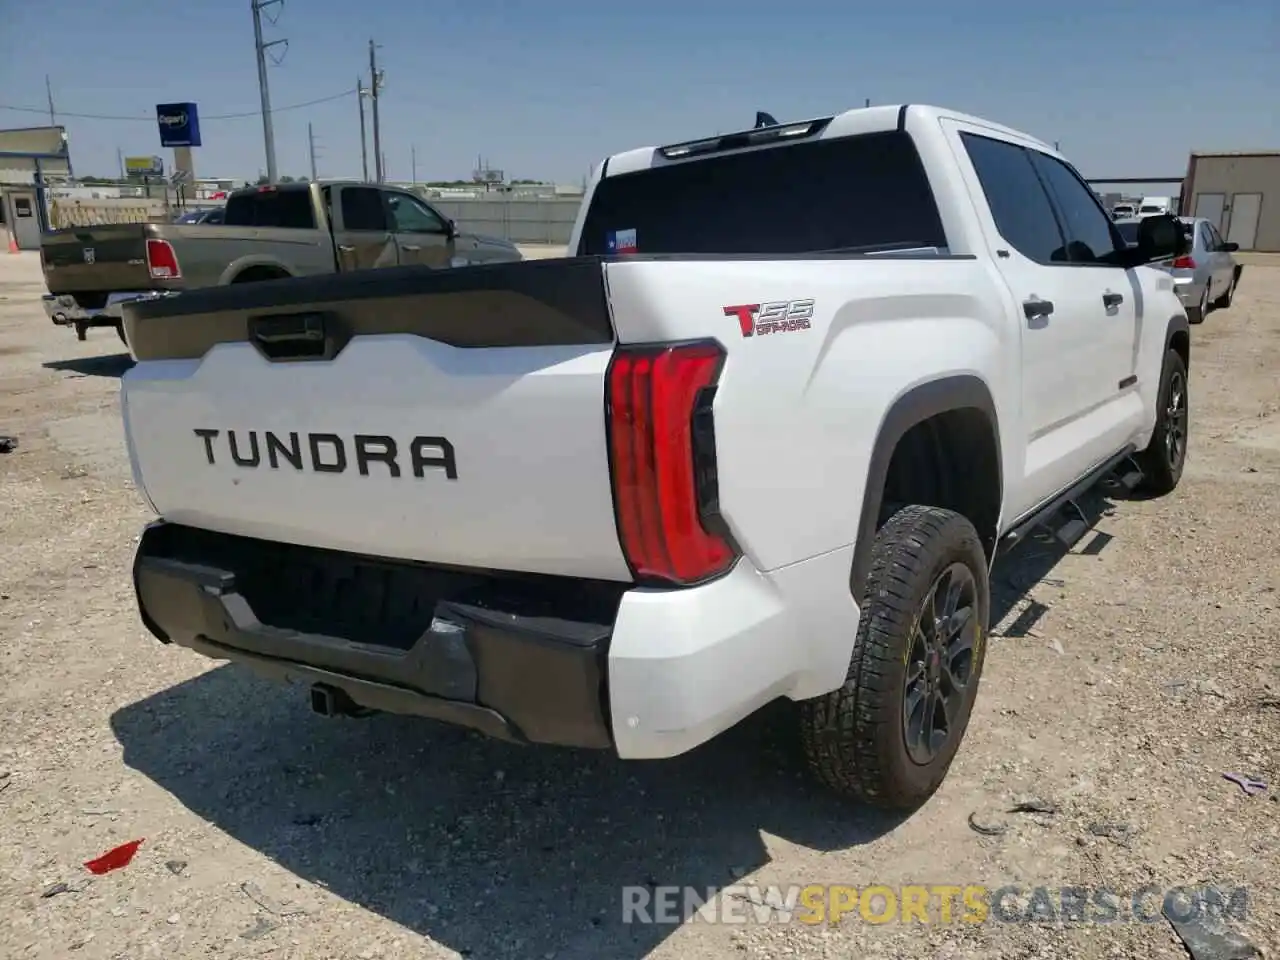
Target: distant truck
[1155, 206]
[268, 233]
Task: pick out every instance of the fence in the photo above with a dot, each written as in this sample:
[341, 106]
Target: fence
[521, 220]
[65, 212]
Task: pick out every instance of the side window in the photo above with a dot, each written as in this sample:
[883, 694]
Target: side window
[410, 216]
[1018, 202]
[1089, 233]
[1215, 238]
[362, 209]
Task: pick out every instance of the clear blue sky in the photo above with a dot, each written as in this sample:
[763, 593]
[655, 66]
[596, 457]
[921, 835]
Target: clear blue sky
[545, 90]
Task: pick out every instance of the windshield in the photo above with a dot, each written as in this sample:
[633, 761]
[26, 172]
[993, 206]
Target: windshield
[867, 192]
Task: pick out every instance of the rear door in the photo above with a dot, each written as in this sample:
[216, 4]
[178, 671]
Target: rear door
[362, 228]
[1063, 319]
[1094, 248]
[1221, 263]
[422, 235]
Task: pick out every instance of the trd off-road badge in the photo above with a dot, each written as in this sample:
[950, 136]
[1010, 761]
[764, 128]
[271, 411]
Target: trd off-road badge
[778, 316]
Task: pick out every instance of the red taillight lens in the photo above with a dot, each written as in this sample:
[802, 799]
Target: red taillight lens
[162, 261]
[664, 460]
[1184, 263]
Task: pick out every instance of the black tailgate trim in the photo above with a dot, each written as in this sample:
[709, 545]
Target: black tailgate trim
[522, 303]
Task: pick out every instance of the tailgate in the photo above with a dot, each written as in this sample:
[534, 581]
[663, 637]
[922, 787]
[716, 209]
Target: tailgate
[453, 416]
[107, 258]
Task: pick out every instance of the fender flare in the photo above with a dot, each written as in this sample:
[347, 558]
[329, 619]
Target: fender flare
[1178, 323]
[913, 407]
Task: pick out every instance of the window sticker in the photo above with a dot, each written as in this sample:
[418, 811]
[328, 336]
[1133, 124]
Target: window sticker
[622, 241]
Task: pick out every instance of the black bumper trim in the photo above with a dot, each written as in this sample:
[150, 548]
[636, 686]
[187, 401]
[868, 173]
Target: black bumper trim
[518, 658]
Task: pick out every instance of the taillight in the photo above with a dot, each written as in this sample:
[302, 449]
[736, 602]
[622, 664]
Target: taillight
[161, 260]
[663, 460]
[1184, 263]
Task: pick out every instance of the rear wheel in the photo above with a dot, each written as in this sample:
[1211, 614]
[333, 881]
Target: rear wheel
[1164, 457]
[888, 735]
[1224, 301]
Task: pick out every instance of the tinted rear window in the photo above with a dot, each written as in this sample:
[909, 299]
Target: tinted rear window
[273, 208]
[865, 192]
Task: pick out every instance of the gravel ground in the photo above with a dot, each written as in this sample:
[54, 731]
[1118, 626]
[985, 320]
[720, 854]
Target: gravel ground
[1125, 678]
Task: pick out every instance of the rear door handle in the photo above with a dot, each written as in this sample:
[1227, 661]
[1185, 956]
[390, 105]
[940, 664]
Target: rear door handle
[1112, 299]
[346, 248]
[1037, 308]
[411, 247]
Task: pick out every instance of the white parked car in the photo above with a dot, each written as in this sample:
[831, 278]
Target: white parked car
[761, 437]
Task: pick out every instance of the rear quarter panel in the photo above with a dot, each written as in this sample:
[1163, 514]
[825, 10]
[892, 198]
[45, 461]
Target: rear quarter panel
[797, 412]
[213, 255]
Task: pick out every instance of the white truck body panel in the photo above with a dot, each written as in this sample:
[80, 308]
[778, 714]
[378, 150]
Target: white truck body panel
[528, 498]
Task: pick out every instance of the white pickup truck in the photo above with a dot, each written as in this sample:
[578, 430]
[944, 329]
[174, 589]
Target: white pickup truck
[760, 436]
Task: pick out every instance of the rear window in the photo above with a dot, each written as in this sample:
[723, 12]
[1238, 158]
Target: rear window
[290, 209]
[850, 193]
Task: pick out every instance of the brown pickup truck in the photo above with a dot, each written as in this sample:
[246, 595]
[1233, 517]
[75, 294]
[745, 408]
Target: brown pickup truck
[268, 233]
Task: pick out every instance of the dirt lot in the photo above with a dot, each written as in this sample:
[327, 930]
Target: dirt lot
[1127, 676]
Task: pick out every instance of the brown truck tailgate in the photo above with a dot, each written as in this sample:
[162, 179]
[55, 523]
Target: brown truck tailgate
[111, 257]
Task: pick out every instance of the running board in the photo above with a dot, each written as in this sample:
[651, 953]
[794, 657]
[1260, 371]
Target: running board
[1071, 530]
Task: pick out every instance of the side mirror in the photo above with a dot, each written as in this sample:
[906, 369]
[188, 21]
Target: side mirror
[451, 228]
[1160, 237]
[1231, 246]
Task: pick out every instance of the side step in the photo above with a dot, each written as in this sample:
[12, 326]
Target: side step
[1061, 518]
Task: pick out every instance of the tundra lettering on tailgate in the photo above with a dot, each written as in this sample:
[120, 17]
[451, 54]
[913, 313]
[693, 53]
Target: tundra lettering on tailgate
[327, 452]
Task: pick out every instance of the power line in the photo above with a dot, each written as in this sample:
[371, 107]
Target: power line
[203, 117]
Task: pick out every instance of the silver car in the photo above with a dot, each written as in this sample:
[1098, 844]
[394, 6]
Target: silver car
[1206, 276]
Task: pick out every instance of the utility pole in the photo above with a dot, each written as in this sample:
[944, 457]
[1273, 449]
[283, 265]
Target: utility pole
[413, 159]
[361, 93]
[48, 89]
[261, 48]
[375, 85]
[311, 140]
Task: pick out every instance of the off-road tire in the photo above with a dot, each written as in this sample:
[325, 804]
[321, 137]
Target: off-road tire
[854, 738]
[1160, 470]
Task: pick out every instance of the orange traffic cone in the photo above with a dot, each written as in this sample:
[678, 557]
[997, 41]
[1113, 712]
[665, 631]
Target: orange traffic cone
[13, 242]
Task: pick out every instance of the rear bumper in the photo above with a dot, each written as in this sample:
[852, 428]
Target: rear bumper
[1189, 290]
[648, 673]
[64, 311]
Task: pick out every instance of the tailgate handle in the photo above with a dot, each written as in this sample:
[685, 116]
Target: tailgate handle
[299, 336]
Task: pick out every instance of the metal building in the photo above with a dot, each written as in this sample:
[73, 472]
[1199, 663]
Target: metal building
[29, 158]
[1240, 192]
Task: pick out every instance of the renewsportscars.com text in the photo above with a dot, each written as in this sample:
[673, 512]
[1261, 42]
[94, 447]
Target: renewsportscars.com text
[928, 904]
